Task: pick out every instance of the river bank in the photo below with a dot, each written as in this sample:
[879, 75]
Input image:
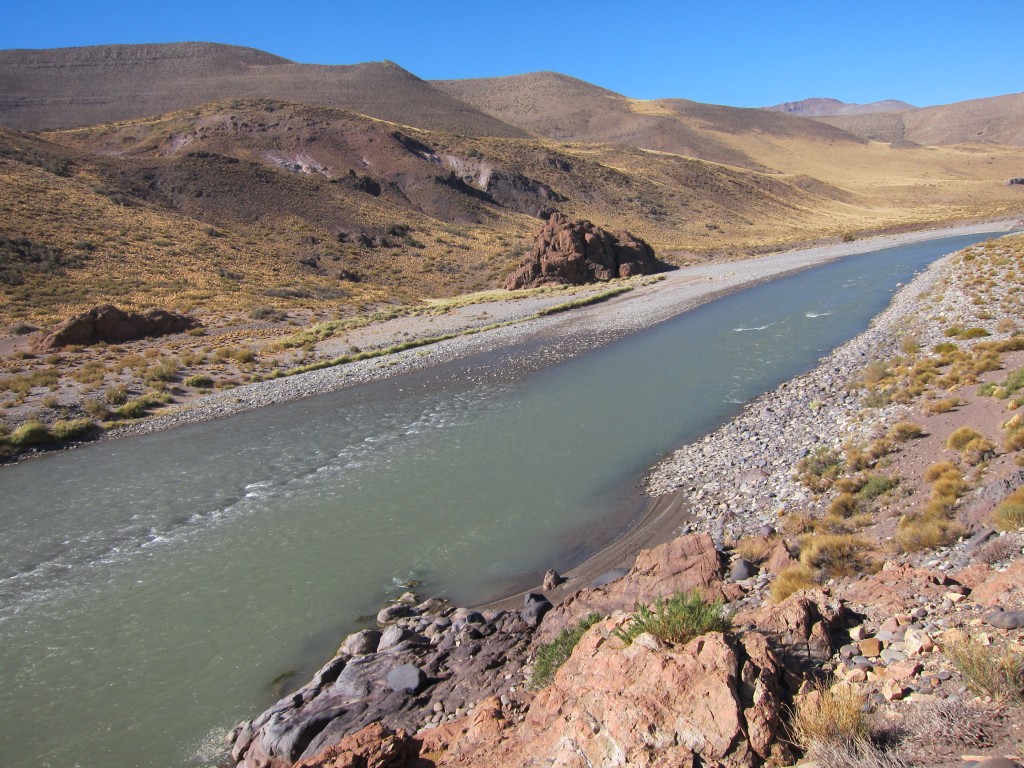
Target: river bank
[565, 334]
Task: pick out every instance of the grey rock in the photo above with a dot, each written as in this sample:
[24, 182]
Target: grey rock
[393, 613]
[1006, 619]
[978, 539]
[408, 678]
[551, 580]
[392, 636]
[890, 656]
[742, 569]
[534, 607]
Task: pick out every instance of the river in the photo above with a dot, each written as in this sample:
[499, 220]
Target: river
[155, 590]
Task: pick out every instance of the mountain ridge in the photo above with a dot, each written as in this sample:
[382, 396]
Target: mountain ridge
[821, 107]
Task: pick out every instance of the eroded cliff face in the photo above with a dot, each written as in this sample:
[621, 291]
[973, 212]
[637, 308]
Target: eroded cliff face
[577, 252]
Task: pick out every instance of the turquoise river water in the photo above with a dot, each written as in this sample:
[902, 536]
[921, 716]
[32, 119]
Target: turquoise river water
[153, 589]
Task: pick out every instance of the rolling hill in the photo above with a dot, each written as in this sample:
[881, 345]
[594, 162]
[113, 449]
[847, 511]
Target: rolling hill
[819, 107]
[995, 120]
[67, 87]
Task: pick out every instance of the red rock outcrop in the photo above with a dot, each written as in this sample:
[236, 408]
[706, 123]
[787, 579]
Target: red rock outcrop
[714, 701]
[373, 747]
[683, 564]
[576, 252]
[112, 325]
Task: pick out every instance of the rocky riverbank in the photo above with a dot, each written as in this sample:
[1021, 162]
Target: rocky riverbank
[453, 687]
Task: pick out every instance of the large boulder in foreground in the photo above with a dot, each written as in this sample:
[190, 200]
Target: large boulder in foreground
[715, 701]
[576, 252]
[115, 326]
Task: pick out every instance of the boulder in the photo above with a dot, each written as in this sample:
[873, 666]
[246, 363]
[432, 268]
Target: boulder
[115, 326]
[577, 252]
[361, 643]
[375, 745]
[408, 678]
[1005, 589]
[742, 569]
[1006, 619]
[714, 701]
[534, 607]
[551, 580]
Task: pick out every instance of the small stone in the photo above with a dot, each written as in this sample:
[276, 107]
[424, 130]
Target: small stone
[891, 656]
[1006, 619]
[857, 675]
[858, 633]
[918, 641]
[392, 636]
[890, 625]
[904, 670]
[870, 646]
[551, 580]
[742, 570]
[892, 690]
[954, 597]
[361, 643]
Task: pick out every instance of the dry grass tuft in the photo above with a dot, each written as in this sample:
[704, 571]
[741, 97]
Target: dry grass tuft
[829, 716]
[791, 580]
[857, 753]
[988, 670]
[754, 548]
[1009, 513]
[904, 430]
[952, 722]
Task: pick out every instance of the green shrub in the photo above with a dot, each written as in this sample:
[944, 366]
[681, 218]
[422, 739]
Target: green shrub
[677, 619]
[73, 429]
[877, 485]
[116, 395]
[551, 656]
[819, 469]
[199, 381]
[30, 433]
[267, 313]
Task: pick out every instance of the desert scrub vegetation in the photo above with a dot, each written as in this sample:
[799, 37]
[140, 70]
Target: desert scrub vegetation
[676, 619]
[972, 446]
[989, 670]
[551, 656]
[902, 431]
[1009, 513]
[819, 469]
[934, 526]
[829, 716]
[34, 433]
[791, 580]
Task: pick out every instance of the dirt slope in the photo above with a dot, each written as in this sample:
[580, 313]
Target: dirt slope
[64, 87]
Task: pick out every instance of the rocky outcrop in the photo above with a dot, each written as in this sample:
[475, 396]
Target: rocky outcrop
[681, 565]
[576, 252]
[714, 701]
[431, 664]
[109, 324]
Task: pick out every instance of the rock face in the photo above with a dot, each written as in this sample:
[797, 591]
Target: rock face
[443, 663]
[685, 563]
[576, 252]
[115, 326]
[714, 701]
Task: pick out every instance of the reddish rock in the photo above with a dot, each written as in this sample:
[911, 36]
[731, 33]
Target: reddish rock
[780, 558]
[576, 252]
[1004, 589]
[972, 575]
[892, 589]
[683, 564]
[713, 701]
[373, 747]
[115, 326]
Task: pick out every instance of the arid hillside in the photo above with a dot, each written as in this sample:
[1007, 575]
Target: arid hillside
[995, 120]
[66, 87]
[818, 107]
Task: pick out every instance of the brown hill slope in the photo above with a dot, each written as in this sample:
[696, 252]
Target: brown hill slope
[564, 108]
[996, 120]
[819, 107]
[237, 204]
[64, 87]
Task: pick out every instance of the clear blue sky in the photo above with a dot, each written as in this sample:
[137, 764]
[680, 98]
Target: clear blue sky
[740, 53]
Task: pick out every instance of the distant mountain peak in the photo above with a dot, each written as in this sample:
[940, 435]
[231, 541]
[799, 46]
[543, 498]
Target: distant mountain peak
[825, 107]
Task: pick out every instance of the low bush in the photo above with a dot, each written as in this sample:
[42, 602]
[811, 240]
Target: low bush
[1009, 513]
[551, 656]
[199, 381]
[988, 670]
[30, 433]
[677, 619]
[877, 485]
[819, 469]
[905, 430]
[72, 429]
[116, 395]
[792, 579]
[833, 555]
[959, 439]
[829, 716]
[944, 405]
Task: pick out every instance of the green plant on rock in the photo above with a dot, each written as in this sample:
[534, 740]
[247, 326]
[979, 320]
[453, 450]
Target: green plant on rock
[551, 656]
[676, 619]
